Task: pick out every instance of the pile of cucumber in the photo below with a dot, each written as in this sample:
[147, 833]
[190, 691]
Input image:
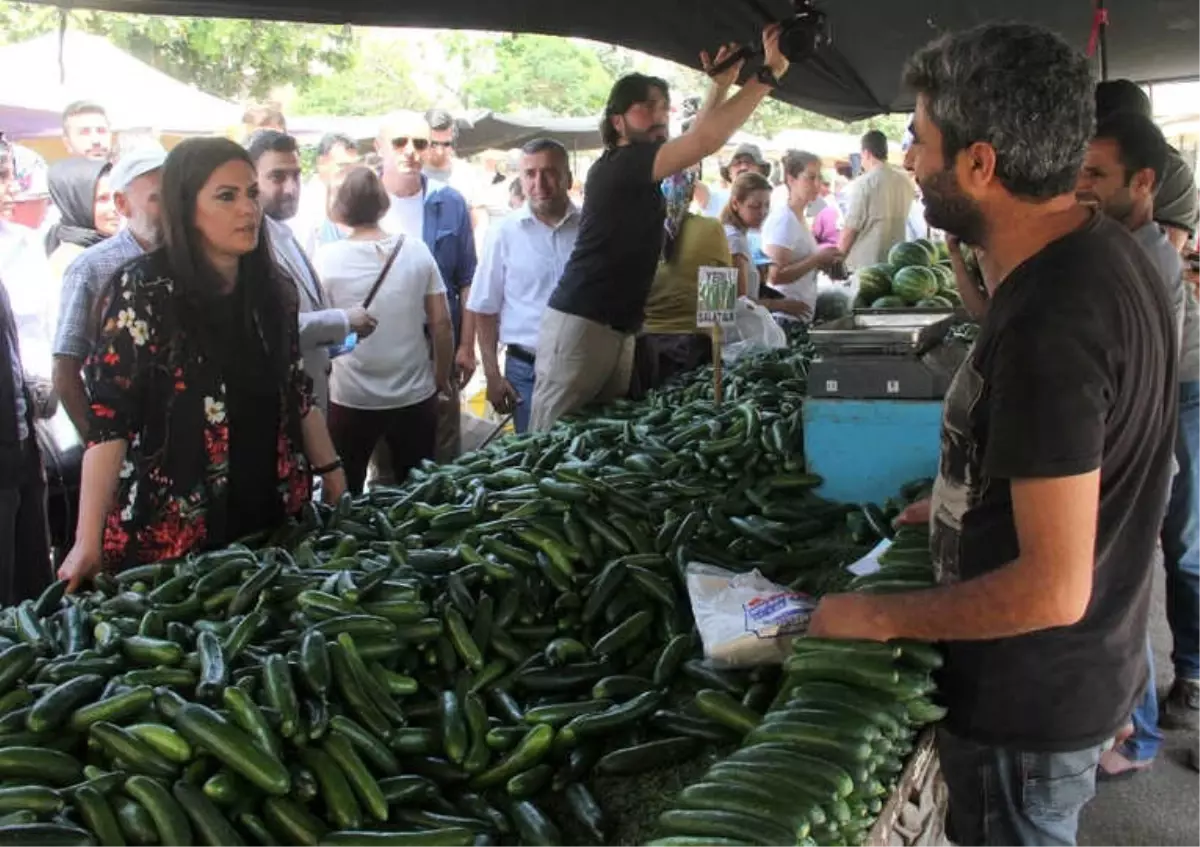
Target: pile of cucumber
[818, 768]
[451, 661]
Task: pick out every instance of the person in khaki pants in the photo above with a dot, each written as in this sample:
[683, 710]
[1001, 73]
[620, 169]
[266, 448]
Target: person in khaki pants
[585, 346]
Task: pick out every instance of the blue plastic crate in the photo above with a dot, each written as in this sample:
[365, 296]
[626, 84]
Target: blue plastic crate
[866, 449]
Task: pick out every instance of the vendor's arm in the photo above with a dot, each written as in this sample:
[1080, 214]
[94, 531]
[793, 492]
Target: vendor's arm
[97, 486]
[714, 127]
[464, 357]
[1048, 585]
[1050, 385]
[319, 449]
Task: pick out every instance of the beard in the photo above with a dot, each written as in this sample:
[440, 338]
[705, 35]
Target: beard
[283, 209]
[948, 208]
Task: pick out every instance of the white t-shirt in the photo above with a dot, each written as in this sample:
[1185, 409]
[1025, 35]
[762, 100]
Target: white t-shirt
[783, 228]
[392, 368]
[739, 245]
[405, 215]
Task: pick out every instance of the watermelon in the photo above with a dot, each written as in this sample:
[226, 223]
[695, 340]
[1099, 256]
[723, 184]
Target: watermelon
[929, 248]
[875, 282]
[890, 302]
[946, 280]
[831, 305]
[942, 250]
[915, 283]
[909, 253]
[935, 303]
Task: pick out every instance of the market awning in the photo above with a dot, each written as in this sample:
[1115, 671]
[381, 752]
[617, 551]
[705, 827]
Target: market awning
[134, 94]
[492, 131]
[855, 78]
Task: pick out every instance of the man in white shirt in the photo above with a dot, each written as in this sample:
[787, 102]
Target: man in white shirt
[879, 203]
[522, 261]
[337, 155]
[277, 161]
[440, 163]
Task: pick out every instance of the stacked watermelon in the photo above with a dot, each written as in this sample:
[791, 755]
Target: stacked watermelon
[917, 274]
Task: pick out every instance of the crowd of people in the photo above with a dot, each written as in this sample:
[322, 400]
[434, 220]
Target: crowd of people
[226, 337]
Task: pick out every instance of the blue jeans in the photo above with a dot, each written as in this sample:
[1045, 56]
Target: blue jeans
[520, 374]
[1181, 538]
[1143, 745]
[1003, 796]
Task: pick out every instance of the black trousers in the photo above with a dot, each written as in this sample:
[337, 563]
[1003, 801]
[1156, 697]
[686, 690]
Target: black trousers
[25, 568]
[410, 434]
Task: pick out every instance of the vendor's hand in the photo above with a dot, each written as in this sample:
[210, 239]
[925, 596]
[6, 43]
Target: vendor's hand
[501, 394]
[915, 513]
[774, 58]
[847, 616]
[80, 566]
[333, 486]
[464, 365]
[728, 76]
[361, 321]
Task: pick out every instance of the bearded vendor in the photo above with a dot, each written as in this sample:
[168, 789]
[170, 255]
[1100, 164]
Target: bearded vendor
[586, 343]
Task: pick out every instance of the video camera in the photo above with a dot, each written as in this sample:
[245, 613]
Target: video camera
[801, 36]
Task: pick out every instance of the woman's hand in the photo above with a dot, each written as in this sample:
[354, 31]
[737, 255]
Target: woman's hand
[333, 486]
[828, 256]
[727, 77]
[81, 564]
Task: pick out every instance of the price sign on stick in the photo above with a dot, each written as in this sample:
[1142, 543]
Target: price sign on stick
[716, 296]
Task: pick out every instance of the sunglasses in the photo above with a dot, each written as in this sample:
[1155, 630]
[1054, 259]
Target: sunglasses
[419, 144]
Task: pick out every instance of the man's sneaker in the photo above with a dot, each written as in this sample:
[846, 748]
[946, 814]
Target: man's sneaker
[1181, 708]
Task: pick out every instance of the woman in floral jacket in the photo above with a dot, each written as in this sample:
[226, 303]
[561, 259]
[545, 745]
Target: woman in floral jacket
[202, 424]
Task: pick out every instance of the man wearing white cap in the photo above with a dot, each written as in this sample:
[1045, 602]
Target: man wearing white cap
[135, 181]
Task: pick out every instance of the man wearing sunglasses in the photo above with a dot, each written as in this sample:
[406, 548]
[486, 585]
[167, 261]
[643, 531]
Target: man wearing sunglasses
[437, 214]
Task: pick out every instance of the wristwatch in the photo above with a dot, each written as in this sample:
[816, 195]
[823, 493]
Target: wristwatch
[766, 76]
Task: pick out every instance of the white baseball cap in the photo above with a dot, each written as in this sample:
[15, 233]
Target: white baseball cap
[135, 163]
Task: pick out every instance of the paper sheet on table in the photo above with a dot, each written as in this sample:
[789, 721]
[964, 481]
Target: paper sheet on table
[869, 563]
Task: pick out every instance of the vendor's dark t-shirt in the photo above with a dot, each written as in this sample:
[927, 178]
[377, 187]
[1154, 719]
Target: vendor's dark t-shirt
[1074, 369]
[620, 238]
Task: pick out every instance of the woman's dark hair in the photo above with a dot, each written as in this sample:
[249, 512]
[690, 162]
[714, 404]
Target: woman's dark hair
[746, 184]
[362, 200]
[628, 91]
[266, 294]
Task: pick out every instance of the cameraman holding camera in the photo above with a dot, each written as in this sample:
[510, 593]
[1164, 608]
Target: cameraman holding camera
[585, 347]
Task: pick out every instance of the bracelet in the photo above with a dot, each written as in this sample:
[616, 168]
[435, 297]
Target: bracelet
[335, 465]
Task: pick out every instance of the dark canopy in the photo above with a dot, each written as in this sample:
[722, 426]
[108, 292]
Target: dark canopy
[492, 131]
[857, 77]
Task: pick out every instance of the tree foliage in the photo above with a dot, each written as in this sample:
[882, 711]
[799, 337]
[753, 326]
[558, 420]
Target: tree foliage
[541, 73]
[236, 59]
[378, 79]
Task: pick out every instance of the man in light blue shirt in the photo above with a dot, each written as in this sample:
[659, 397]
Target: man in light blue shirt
[135, 181]
[1124, 165]
[522, 262]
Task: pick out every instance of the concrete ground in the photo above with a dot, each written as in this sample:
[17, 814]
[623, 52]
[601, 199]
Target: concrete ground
[1161, 806]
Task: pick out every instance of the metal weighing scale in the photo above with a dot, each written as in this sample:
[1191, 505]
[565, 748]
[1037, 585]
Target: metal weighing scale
[873, 418]
[885, 354]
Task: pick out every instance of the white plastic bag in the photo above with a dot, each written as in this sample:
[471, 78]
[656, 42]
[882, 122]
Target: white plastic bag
[753, 329]
[745, 619]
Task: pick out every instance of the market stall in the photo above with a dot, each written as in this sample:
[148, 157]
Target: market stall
[500, 649]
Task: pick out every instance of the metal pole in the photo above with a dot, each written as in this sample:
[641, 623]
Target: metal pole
[1103, 45]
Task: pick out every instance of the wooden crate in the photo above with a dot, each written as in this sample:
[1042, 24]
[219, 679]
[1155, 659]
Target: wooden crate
[915, 813]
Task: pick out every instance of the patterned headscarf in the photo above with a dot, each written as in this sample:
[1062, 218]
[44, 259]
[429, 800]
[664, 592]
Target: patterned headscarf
[677, 189]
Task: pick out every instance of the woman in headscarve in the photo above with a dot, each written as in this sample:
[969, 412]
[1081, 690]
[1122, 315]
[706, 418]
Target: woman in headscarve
[79, 189]
[670, 343]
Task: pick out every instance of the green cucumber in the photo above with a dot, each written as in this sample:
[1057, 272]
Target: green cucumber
[726, 710]
[49, 767]
[36, 798]
[361, 782]
[134, 820]
[44, 835]
[98, 816]
[169, 818]
[341, 807]
[113, 709]
[205, 728]
[151, 652]
[725, 825]
[281, 694]
[534, 826]
[210, 822]
[448, 836]
[293, 822]
[53, 708]
[648, 756]
[163, 740]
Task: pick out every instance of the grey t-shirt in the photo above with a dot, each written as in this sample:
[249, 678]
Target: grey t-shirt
[1183, 301]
